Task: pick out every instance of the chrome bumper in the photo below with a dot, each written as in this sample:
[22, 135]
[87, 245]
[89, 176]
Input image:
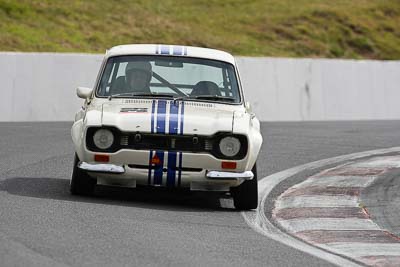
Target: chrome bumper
[102, 168]
[115, 169]
[247, 175]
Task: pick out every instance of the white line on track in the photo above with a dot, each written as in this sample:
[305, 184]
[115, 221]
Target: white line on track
[342, 224]
[317, 201]
[383, 162]
[366, 249]
[260, 223]
[338, 181]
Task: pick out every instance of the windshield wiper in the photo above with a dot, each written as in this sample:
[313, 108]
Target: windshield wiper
[122, 94]
[154, 95]
[175, 98]
[180, 98]
[215, 97]
[141, 94]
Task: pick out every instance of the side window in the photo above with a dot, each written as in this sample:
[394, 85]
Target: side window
[115, 71]
[105, 82]
[227, 84]
[109, 80]
[113, 75]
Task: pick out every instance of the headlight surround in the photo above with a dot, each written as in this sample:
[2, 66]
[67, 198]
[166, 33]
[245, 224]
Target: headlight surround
[103, 138]
[229, 146]
[212, 147]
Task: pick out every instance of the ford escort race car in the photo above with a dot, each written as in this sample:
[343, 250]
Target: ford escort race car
[167, 116]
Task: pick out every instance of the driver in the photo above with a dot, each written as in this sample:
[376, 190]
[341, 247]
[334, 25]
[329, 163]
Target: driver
[137, 76]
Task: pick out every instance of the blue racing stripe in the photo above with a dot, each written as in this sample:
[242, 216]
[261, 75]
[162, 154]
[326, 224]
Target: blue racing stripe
[177, 50]
[153, 105]
[164, 50]
[161, 111]
[173, 129]
[173, 117]
[181, 132]
[171, 171]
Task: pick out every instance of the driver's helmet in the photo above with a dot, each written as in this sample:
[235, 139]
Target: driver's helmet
[143, 66]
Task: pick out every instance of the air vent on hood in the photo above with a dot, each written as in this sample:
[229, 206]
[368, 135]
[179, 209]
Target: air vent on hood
[137, 101]
[196, 104]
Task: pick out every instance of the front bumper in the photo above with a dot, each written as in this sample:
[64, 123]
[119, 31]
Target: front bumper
[101, 168]
[126, 157]
[247, 175]
[205, 180]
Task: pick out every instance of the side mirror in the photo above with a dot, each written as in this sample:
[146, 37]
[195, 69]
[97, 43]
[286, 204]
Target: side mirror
[247, 106]
[84, 92]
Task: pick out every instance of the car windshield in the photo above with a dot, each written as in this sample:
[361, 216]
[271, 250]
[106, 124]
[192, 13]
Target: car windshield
[164, 76]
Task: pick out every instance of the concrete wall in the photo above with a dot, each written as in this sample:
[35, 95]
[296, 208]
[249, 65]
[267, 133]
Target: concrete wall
[321, 89]
[41, 86]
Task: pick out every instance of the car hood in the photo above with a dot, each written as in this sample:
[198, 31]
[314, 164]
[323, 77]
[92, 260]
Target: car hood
[165, 116]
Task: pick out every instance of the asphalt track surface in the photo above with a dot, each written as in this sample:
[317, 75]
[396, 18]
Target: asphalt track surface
[383, 201]
[41, 224]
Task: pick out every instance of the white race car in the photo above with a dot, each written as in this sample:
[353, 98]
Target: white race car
[169, 116]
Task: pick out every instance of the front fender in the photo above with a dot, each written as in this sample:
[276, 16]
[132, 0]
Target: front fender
[249, 125]
[78, 130]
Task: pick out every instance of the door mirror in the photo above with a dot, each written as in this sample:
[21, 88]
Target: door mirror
[84, 92]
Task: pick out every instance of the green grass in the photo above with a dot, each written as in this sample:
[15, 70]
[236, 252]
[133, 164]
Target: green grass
[283, 28]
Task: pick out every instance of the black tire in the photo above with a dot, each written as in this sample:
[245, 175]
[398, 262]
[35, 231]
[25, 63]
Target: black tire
[245, 196]
[81, 182]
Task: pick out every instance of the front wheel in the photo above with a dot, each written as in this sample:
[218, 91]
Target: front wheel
[81, 182]
[245, 196]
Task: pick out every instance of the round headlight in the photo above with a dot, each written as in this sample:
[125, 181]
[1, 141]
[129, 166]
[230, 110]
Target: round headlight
[103, 138]
[229, 146]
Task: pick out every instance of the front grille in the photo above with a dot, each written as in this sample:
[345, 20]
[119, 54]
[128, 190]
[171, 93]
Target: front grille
[166, 142]
[124, 140]
[208, 145]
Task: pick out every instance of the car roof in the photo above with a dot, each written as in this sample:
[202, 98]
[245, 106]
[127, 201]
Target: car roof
[170, 50]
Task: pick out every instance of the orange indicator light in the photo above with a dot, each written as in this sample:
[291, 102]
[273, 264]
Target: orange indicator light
[101, 158]
[155, 160]
[228, 165]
